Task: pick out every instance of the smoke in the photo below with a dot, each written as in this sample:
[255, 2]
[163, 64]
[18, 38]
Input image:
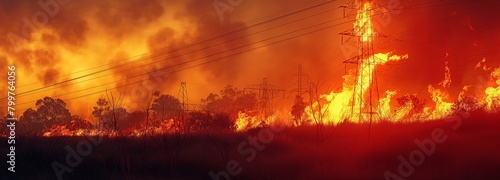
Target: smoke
[432, 33]
[105, 34]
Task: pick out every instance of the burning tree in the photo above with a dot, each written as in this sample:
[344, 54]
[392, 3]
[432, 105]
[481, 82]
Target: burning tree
[410, 105]
[466, 104]
[48, 112]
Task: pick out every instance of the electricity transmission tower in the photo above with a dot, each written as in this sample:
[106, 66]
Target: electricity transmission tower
[300, 82]
[266, 92]
[365, 97]
[183, 97]
[299, 105]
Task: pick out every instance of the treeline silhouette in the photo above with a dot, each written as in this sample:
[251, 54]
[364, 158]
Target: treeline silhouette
[218, 112]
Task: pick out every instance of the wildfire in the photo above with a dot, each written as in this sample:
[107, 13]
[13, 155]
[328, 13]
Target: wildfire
[278, 118]
[74, 128]
[338, 106]
[344, 105]
[442, 108]
[492, 99]
[363, 26]
[245, 121]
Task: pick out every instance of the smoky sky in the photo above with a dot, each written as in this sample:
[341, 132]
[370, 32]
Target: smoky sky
[188, 41]
[460, 32]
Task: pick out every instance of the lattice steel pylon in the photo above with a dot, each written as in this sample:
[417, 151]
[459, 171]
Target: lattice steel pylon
[183, 95]
[300, 82]
[364, 103]
[266, 92]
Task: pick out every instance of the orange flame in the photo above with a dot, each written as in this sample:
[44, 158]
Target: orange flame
[336, 107]
[363, 25]
[492, 99]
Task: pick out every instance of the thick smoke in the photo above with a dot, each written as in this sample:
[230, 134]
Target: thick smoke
[86, 34]
[459, 32]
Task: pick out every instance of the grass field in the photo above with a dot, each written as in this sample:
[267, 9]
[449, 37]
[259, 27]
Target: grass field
[347, 151]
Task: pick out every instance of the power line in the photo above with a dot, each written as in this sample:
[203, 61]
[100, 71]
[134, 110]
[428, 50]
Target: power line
[261, 46]
[235, 30]
[200, 42]
[244, 51]
[226, 56]
[207, 47]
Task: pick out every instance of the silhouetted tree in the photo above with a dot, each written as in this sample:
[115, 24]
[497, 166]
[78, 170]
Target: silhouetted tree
[298, 110]
[101, 112]
[120, 115]
[48, 112]
[198, 121]
[244, 102]
[166, 107]
[134, 119]
[230, 101]
[78, 122]
[223, 122]
[109, 118]
[213, 103]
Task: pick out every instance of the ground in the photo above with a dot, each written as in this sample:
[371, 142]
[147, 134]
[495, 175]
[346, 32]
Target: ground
[460, 148]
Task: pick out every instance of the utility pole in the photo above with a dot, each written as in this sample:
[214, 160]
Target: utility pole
[266, 92]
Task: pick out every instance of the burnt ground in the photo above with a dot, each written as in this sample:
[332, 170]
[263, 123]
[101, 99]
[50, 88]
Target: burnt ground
[347, 151]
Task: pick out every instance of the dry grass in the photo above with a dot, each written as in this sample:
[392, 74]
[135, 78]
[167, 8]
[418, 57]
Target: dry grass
[470, 152]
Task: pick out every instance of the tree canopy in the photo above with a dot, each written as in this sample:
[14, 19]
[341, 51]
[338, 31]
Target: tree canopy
[230, 101]
[48, 112]
[165, 107]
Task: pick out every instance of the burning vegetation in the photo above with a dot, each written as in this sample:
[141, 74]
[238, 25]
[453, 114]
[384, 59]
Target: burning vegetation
[363, 127]
[239, 110]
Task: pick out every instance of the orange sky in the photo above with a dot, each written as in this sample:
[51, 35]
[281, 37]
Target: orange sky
[119, 43]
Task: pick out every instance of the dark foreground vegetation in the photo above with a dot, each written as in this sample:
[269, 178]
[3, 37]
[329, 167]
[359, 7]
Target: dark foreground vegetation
[472, 151]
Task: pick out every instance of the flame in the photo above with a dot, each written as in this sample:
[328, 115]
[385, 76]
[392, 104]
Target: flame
[336, 106]
[385, 105]
[363, 25]
[159, 128]
[76, 127]
[403, 112]
[58, 130]
[343, 105]
[442, 108]
[278, 118]
[447, 76]
[492, 99]
[245, 121]
[482, 64]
